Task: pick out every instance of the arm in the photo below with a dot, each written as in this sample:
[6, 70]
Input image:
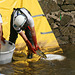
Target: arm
[31, 24]
[0, 30]
[34, 38]
[27, 41]
[0, 33]
[23, 36]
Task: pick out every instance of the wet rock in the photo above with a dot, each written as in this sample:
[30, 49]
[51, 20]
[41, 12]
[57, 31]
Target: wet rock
[64, 38]
[69, 1]
[49, 6]
[54, 26]
[64, 30]
[61, 41]
[55, 1]
[68, 7]
[60, 2]
[72, 40]
[72, 36]
[72, 24]
[56, 32]
[71, 30]
[65, 19]
[51, 21]
[54, 16]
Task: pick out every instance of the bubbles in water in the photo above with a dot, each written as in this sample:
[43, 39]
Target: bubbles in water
[54, 57]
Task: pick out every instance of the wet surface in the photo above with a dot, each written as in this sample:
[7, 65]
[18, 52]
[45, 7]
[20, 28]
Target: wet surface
[44, 67]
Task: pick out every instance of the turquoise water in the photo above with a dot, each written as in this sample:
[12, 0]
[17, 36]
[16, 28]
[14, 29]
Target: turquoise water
[44, 67]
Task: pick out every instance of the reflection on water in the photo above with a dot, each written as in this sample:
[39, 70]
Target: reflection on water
[43, 67]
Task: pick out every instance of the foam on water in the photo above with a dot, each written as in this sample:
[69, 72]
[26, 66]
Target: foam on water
[54, 57]
[2, 74]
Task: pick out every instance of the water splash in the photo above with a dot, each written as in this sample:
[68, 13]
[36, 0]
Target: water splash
[54, 57]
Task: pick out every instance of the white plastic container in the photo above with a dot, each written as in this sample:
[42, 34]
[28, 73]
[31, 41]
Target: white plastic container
[6, 52]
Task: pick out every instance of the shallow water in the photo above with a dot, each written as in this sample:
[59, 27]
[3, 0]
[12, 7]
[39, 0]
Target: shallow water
[44, 67]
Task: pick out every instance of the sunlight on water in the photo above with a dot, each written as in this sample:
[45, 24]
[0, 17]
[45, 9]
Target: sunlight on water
[54, 57]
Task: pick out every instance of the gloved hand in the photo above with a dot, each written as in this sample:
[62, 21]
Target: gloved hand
[35, 43]
[30, 46]
[37, 47]
[3, 39]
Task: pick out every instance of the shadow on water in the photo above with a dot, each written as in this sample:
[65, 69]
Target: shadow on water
[44, 67]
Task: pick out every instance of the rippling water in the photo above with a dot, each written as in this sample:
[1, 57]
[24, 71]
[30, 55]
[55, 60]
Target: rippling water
[43, 67]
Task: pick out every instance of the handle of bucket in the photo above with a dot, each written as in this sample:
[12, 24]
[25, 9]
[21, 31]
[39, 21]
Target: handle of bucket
[9, 42]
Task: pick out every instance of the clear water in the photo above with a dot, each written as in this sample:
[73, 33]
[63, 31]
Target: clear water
[44, 67]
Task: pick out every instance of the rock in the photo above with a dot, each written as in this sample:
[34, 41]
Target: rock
[60, 2]
[51, 21]
[65, 20]
[64, 30]
[72, 24]
[54, 17]
[71, 30]
[54, 25]
[68, 7]
[56, 32]
[69, 2]
[64, 38]
[49, 6]
[73, 40]
[55, 1]
[61, 41]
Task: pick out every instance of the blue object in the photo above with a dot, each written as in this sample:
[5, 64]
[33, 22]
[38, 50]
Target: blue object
[46, 32]
[38, 15]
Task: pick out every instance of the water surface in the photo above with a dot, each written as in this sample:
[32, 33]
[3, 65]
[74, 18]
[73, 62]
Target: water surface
[44, 67]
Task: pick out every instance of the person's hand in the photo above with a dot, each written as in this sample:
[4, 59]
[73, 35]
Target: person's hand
[3, 39]
[32, 49]
[30, 46]
[37, 47]
[35, 43]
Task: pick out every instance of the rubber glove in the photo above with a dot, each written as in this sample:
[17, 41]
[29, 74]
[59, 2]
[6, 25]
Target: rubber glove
[35, 43]
[30, 46]
[37, 47]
